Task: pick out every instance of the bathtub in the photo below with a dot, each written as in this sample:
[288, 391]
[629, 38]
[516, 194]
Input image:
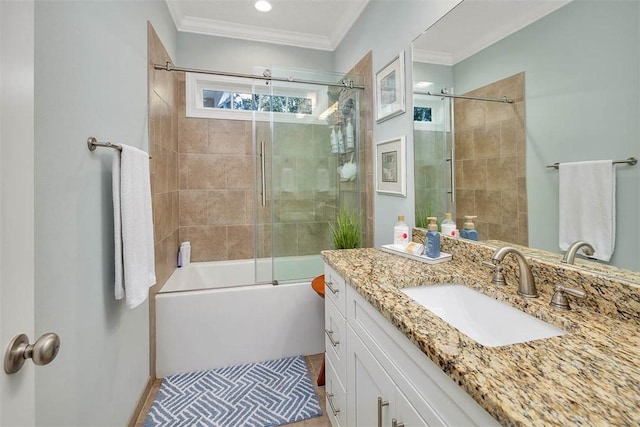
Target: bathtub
[212, 314]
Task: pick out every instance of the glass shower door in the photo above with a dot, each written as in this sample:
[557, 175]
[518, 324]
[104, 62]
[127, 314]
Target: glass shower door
[434, 156]
[311, 145]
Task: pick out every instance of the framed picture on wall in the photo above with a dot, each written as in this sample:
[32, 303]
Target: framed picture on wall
[391, 170]
[390, 98]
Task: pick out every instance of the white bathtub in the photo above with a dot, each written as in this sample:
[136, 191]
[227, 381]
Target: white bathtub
[210, 315]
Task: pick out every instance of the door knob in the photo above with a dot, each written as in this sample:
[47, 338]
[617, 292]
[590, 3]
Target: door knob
[42, 352]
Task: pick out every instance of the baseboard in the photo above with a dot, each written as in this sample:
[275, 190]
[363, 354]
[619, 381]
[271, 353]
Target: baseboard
[141, 401]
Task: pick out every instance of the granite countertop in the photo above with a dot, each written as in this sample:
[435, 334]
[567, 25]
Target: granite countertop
[590, 376]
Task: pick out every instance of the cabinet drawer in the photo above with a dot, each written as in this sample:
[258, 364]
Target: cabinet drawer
[335, 337]
[335, 289]
[336, 396]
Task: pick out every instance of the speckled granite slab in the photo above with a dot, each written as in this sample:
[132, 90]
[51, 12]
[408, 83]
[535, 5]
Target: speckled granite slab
[590, 376]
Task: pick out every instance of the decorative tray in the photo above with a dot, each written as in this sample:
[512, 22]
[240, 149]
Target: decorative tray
[393, 249]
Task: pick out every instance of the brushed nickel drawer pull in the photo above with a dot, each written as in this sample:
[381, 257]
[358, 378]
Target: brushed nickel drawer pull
[333, 409]
[330, 335]
[381, 403]
[333, 291]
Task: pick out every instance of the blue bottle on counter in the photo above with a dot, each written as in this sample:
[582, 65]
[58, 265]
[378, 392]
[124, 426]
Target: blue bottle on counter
[432, 248]
[469, 230]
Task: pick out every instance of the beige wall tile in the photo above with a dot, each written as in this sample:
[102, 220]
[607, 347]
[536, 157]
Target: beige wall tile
[161, 215]
[285, 242]
[474, 174]
[465, 205]
[239, 172]
[501, 173]
[314, 237]
[205, 171]
[227, 207]
[486, 141]
[193, 135]
[229, 136]
[194, 207]
[240, 241]
[465, 145]
[510, 207]
[469, 114]
[508, 132]
[207, 243]
[489, 206]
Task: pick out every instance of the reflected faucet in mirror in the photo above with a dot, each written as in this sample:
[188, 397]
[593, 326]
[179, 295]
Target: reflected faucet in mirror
[570, 255]
[473, 157]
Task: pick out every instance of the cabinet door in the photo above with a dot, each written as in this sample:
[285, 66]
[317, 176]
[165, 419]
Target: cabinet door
[370, 389]
[407, 415]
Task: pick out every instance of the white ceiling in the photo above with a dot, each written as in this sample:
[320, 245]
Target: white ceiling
[315, 24]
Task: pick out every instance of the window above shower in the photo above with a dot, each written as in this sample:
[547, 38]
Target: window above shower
[237, 98]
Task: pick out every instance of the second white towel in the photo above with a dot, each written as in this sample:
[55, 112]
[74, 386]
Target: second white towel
[588, 205]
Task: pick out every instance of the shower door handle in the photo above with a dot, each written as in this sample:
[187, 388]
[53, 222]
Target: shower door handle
[263, 174]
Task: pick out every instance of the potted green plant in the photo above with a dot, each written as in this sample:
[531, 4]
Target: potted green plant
[347, 232]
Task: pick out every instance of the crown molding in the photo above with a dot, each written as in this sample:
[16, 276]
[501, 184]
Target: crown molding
[212, 27]
[432, 57]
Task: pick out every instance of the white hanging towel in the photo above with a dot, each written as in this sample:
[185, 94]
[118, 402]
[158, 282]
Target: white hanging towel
[588, 205]
[133, 226]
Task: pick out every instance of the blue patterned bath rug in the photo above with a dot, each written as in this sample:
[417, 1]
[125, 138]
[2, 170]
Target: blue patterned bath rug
[261, 394]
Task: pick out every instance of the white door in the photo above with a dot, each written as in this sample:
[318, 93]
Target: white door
[17, 391]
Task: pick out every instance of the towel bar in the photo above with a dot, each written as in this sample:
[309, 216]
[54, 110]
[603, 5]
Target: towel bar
[630, 161]
[92, 143]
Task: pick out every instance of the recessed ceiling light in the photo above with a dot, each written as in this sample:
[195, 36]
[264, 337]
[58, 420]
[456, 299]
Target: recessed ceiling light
[263, 5]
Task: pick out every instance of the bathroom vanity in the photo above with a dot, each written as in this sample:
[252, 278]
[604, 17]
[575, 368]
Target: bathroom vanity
[392, 362]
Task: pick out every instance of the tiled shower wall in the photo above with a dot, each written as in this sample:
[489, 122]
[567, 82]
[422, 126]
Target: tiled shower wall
[491, 163]
[163, 147]
[216, 181]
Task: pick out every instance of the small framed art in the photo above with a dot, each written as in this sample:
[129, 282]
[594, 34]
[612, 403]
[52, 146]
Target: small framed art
[390, 99]
[391, 171]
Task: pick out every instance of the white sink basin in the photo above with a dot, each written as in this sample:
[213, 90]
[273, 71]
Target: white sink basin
[487, 321]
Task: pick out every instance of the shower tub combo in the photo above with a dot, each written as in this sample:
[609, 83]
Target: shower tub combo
[213, 314]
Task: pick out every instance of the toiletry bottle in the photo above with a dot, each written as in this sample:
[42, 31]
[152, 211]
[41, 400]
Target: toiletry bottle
[469, 231]
[350, 137]
[432, 247]
[334, 141]
[401, 233]
[448, 226]
[341, 141]
[185, 253]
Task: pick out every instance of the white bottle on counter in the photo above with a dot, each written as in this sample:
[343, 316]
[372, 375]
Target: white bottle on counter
[401, 233]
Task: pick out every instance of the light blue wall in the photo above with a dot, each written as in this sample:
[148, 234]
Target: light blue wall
[90, 80]
[387, 28]
[240, 56]
[582, 68]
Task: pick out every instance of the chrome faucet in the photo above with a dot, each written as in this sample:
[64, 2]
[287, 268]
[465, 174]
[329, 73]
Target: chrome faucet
[570, 255]
[527, 285]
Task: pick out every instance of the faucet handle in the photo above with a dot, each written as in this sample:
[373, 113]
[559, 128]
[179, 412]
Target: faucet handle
[498, 277]
[560, 301]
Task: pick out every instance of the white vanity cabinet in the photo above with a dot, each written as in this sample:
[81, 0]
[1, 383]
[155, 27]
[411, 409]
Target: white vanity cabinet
[335, 328]
[376, 377]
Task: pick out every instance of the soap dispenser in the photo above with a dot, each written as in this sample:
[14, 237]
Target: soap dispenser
[448, 226]
[432, 247]
[469, 231]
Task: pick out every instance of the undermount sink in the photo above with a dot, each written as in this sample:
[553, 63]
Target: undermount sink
[489, 322]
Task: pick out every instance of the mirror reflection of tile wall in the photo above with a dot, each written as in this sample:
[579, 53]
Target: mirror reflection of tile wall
[491, 161]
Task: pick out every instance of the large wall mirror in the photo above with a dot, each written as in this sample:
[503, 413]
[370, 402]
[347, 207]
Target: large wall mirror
[570, 71]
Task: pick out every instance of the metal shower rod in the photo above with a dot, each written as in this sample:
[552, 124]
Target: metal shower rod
[504, 99]
[345, 83]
